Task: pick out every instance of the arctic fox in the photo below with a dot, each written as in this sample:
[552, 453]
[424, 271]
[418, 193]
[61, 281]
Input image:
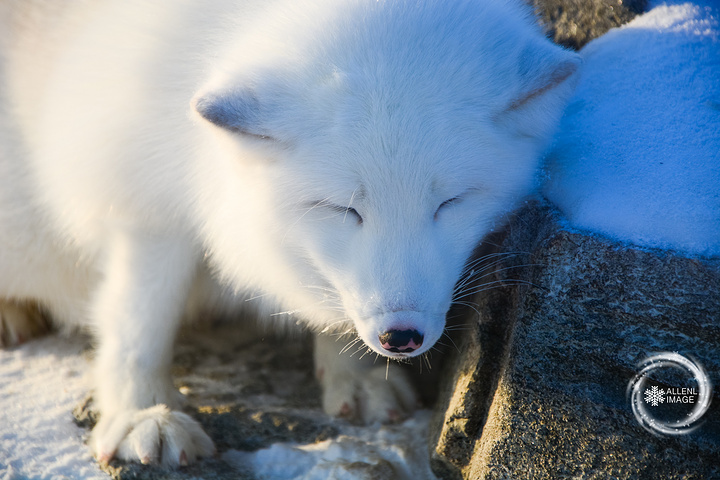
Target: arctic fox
[334, 160]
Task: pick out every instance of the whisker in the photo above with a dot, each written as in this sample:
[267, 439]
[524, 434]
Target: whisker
[358, 350]
[286, 312]
[451, 341]
[475, 271]
[257, 296]
[426, 360]
[329, 326]
[352, 197]
[321, 287]
[458, 328]
[489, 256]
[470, 305]
[350, 344]
[339, 335]
[473, 276]
[315, 205]
[485, 262]
[506, 268]
[496, 257]
[491, 285]
[494, 284]
[343, 334]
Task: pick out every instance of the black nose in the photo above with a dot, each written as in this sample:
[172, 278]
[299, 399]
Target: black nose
[401, 341]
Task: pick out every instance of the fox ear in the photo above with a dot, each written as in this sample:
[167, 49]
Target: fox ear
[548, 79]
[236, 111]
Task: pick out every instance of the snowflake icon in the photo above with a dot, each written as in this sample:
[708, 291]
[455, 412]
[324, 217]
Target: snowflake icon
[654, 396]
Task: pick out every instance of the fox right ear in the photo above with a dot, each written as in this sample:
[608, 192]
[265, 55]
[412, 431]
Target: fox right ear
[548, 77]
[237, 111]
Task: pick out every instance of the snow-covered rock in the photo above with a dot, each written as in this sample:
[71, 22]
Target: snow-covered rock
[638, 153]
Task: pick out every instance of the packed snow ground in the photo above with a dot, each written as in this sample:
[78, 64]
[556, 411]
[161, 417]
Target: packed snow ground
[638, 159]
[42, 381]
[40, 384]
[399, 452]
[638, 153]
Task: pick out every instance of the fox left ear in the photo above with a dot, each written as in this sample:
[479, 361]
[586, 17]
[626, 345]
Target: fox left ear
[548, 79]
[236, 111]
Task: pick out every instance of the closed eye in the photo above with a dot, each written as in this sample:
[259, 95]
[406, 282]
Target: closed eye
[447, 203]
[345, 211]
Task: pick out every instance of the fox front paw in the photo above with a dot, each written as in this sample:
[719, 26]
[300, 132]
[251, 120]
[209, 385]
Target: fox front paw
[155, 435]
[369, 395]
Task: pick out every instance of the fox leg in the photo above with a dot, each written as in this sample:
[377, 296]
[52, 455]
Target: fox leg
[369, 389]
[136, 314]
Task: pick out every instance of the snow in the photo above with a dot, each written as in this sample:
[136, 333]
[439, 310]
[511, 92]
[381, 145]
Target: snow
[637, 157]
[42, 381]
[40, 384]
[395, 451]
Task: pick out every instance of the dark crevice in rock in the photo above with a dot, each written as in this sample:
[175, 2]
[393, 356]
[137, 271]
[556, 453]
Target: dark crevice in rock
[487, 332]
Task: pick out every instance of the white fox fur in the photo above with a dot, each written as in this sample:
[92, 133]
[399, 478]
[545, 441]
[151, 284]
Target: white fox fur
[337, 159]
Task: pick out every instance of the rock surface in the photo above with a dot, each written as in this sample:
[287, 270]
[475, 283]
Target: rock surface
[573, 23]
[539, 390]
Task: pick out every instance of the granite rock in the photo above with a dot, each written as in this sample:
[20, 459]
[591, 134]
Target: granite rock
[537, 388]
[573, 23]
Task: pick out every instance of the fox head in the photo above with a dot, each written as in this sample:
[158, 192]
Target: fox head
[380, 143]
